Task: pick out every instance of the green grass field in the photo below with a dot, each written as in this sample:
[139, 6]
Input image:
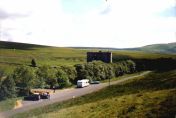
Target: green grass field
[14, 54]
[150, 96]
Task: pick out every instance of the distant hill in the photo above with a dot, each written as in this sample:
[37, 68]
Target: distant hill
[158, 48]
[155, 48]
[16, 45]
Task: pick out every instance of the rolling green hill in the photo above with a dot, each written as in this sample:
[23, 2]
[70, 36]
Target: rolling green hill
[155, 48]
[13, 54]
[159, 48]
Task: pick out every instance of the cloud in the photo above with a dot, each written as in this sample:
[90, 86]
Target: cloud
[169, 12]
[105, 24]
[107, 10]
[5, 15]
[29, 33]
[6, 35]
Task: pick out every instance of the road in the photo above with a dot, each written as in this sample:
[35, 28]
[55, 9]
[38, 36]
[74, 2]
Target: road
[64, 95]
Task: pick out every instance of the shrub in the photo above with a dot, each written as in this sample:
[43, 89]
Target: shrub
[7, 88]
[62, 79]
[81, 71]
[46, 76]
[71, 73]
[97, 70]
[24, 78]
[33, 63]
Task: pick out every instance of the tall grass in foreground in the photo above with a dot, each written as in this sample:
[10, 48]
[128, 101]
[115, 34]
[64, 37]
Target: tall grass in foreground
[150, 96]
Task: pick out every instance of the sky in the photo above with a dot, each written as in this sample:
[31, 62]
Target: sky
[88, 23]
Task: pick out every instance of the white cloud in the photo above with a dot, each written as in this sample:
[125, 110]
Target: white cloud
[117, 23]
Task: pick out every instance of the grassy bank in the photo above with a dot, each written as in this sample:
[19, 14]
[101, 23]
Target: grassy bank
[8, 104]
[152, 96]
[121, 77]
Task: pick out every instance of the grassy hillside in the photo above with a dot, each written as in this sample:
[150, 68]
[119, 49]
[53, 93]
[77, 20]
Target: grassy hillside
[151, 96]
[160, 48]
[14, 54]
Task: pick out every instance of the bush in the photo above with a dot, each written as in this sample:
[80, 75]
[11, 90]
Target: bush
[7, 88]
[81, 71]
[71, 73]
[62, 79]
[46, 76]
[33, 63]
[99, 71]
[25, 78]
[64, 76]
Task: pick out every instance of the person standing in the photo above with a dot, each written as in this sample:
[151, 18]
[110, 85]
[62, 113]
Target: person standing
[54, 89]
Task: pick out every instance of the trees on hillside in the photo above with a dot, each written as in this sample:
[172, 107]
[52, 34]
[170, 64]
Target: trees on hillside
[70, 72]
[100, 71]
[24, 78]
[81, 72]
[7, 88]
[62, 78]
[59, 76]
[46, 76]
[160, 64]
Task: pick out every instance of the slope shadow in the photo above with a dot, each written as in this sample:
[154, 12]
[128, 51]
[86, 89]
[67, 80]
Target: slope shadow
[20, 46]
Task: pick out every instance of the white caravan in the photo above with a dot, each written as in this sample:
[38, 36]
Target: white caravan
[83, 83]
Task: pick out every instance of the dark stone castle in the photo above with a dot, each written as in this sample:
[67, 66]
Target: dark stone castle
[99, 56]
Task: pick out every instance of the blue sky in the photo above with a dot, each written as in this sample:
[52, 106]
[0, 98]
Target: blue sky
[92, 23]
[169, 12]
[78, 7]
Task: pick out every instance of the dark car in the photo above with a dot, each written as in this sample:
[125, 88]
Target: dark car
[32, 97]
[94, 82]
[45, 96]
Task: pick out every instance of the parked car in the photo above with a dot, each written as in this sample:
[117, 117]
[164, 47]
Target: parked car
[33, 97]
[45, 96]
[94, 82]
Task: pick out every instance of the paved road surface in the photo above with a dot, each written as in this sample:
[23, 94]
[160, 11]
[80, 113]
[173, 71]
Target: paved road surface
[63, 95]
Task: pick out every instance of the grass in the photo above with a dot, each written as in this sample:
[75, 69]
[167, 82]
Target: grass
[14, 54]
[7, 104]
[121, 77]
[123, 106]
[150, 96]
[10, 58]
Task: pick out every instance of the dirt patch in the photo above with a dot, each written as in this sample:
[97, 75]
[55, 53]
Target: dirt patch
[50, 91]
[18, 104]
